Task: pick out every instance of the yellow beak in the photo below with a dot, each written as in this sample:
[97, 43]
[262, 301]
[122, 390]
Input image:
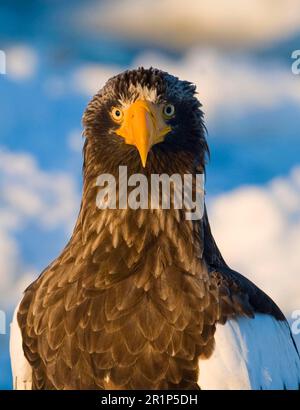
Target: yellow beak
[143, 126]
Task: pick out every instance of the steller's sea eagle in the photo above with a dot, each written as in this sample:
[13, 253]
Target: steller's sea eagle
[142, 298]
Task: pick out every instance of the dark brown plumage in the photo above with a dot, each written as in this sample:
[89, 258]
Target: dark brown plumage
[133, 300]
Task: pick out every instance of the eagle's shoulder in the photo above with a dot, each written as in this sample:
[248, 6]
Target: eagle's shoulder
[21, 369]
[254, 346]
[251, 354]
[237, 294]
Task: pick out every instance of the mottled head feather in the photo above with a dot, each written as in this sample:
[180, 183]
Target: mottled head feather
[152, 82]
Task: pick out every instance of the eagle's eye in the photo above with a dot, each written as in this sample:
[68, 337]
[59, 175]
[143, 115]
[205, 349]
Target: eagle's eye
[117, 114]
[169, 111]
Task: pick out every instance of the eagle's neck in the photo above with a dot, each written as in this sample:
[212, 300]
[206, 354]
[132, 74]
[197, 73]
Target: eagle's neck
[121, 242]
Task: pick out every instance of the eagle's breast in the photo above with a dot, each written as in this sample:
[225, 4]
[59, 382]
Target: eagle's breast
[126, 306]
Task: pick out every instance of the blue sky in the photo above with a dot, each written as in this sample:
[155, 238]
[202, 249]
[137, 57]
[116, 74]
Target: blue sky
[57, 57]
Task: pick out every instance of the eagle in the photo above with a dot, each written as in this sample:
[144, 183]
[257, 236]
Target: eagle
[142, 298]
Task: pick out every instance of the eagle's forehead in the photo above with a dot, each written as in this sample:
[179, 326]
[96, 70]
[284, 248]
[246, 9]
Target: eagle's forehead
[144, 92]
[157, 91]
[139, 92]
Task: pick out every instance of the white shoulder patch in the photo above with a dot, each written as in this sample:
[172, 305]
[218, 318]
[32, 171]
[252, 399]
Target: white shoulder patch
[21, 369]
[251, 354]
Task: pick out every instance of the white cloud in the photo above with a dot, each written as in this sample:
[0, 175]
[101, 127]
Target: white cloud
[258, 232]
[89, 78]
[29, 195]
[14, 276]
[75, 140]
[181, 24]
[21, 62]
[49, 197]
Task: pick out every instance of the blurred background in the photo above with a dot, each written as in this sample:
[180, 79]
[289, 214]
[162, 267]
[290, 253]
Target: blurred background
[238, 52]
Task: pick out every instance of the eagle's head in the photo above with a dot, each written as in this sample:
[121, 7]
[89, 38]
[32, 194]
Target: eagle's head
[146, 119]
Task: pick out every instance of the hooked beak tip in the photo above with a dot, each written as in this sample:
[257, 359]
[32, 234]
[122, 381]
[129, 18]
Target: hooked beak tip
[143, 157]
